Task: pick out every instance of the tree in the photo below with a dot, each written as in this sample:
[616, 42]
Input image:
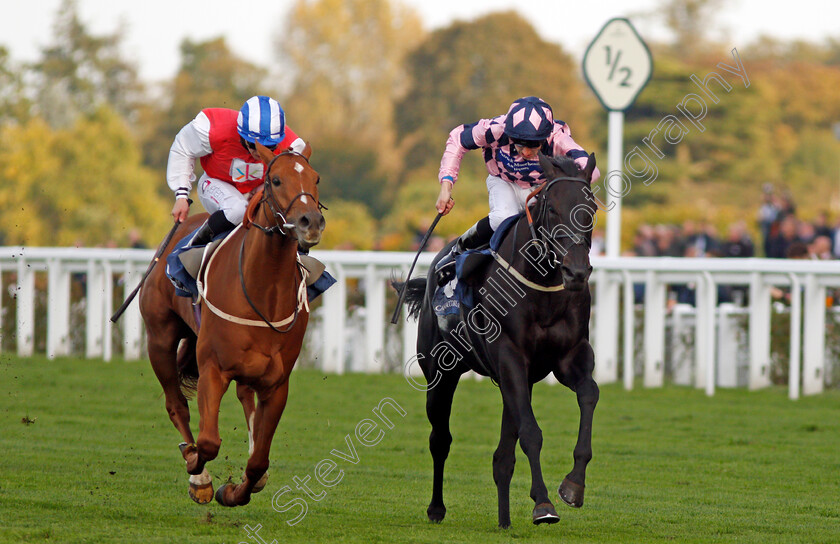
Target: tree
[210, 76]
[79, 185]
[690, 21]
[80, 72]
[473, 70]
[346, 60]
[14, 106]
[349, 226]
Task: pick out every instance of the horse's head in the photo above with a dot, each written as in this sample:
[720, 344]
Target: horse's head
[290, 193]
[565, 217]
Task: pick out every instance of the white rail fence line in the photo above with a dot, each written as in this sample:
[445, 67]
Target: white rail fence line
[364, 341]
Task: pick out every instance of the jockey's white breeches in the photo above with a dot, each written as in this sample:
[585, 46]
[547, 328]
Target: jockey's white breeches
[215, 194]
[506, 199]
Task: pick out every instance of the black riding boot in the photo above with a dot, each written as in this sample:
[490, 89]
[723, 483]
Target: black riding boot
[476, 237]
[216, 224]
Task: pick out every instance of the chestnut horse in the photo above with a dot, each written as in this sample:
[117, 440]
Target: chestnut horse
[254, 315]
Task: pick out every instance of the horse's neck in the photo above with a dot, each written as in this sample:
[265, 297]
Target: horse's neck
[269, 258]
[526, 260]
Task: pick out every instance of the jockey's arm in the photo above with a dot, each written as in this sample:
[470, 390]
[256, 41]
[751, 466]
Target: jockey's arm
[192, 142]
[566, 146]
[462, 139]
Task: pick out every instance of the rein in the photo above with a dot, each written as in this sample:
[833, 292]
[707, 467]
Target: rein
[203, 289]
[541, 192]
[281, 226]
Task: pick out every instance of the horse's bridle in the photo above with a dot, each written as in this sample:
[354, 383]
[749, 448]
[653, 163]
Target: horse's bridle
[281, 224]
[543, 238]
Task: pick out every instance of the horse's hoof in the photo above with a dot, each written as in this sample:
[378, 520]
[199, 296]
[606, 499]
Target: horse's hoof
[545, 513]
[220, 495]
[202, 494]
[436, 513]
[260, 485]
[571, 493]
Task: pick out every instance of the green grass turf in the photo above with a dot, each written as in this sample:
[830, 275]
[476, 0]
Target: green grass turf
[98, 462]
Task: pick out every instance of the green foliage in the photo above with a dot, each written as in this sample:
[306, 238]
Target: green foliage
[347, 62]
[80, 185]
[210, 76]
[349, 226]
[473, 70]
[14, 106]
[350, 173]
[376, 96]
[414, 209]
[344, 62]
[79, 72]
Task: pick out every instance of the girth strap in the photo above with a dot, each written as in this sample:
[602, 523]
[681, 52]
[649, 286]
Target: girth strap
[522, 279]
[303, 300]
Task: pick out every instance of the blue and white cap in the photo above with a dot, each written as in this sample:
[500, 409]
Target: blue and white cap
[262, 120]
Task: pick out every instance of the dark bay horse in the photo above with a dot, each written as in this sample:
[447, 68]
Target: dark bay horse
[254, 315]
[530, 317]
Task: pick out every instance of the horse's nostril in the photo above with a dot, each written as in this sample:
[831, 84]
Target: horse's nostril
[304, 222]
[322, 223]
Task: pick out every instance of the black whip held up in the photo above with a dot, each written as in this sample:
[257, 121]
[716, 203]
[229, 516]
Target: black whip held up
[152, 264]
[396, 316]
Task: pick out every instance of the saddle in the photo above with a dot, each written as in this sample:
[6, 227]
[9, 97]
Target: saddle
[184, 264]
[463, 265]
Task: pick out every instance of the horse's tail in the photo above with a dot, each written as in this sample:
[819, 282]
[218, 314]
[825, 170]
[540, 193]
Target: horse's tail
[188, 366]
[416, 290]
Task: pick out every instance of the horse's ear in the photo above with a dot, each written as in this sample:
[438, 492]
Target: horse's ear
[548, 167]
[265, 153]
[590, 167]
[307, 151]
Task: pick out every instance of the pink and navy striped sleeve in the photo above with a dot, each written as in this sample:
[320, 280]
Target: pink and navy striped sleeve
[482, 134]
[564, 145]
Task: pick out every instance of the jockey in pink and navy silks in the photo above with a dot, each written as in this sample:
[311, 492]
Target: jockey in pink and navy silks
[511, 144]
[224, 141]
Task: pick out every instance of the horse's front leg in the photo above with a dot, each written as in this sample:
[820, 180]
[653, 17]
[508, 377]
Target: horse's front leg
[246, 398]
[582, 363]
[211, 387]
[269, 410]
[516, 394]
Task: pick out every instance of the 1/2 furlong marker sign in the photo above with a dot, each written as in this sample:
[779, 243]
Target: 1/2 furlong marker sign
[617, 65]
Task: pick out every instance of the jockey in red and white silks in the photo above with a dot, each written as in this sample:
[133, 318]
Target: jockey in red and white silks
[511, 143]
[223, 140]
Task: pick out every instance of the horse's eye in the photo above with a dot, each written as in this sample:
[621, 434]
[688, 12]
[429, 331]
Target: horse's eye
[275, 181]
[317, 181]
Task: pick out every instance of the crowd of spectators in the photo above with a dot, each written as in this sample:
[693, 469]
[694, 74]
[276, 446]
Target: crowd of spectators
[783, 235]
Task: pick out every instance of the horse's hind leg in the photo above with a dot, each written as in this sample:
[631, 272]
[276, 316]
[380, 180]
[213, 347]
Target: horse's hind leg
[572, 488]
[246, 398]
[163, 354]
[504, 460]
[269, 411]
[438, 410]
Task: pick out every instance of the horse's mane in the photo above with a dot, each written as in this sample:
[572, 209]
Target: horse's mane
[566, 164]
